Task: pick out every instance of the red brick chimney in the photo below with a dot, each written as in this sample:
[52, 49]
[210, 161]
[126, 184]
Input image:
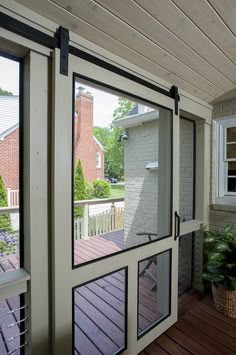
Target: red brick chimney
[84, 144]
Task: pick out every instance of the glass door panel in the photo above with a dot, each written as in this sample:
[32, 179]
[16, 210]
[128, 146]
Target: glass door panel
[116, 160]
[122, 162]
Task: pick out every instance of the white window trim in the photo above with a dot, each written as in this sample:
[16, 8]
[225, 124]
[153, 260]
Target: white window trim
[98, 160]
[222, 195]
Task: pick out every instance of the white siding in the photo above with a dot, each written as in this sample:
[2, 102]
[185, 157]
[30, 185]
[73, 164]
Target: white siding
[140, 184]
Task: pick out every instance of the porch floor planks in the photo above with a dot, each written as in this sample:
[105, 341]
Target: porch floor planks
[194, 333]
[95, 334]
[98, 246]
[197, 330]
[9, 264]
[171, 346]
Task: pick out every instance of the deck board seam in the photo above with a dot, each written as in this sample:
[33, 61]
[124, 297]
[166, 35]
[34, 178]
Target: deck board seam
[98, 311]
[212, 325]
[88, 339]
[208, 325]
[96, 326]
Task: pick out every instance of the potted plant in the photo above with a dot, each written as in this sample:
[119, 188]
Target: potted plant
[220, 268]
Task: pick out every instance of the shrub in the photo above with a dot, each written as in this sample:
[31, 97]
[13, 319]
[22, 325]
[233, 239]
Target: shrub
[89, 189]
[80, 190]
[5, 220]
[101, 189]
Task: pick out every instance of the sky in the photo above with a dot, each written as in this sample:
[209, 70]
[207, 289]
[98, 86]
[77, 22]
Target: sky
[104, 105]
[9, 75]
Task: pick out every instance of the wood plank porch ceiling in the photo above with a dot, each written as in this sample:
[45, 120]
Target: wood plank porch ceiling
[191, 44]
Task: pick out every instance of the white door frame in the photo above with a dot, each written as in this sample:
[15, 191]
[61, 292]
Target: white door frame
[64, 277]
[34, 236]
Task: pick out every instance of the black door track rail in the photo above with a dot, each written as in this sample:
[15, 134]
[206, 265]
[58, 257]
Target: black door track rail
[61, 40]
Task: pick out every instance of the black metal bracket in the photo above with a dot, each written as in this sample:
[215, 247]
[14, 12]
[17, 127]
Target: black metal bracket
[175, 95]
[177, 225]
[63, 43]
[26, 31]
[61, 40]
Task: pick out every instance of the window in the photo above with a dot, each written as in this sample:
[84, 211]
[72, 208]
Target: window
[227, 157]
[98, 161]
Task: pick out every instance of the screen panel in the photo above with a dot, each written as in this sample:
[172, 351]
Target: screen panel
[122, 161]
[154, 291]
[100, 315]
[10, 130]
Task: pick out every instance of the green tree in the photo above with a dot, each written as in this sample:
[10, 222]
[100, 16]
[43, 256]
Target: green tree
[102, 134]
[80, 189]
[124, 107]
[5, 92]
[5, 221]
[114, 155]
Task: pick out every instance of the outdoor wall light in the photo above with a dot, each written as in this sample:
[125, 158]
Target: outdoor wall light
[124, 136]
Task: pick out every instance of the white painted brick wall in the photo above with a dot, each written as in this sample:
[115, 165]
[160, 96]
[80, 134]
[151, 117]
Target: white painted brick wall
[141, 185]
[186, 202]
[186, 170]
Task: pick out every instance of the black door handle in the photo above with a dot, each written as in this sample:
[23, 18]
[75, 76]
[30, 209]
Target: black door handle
[177, 225]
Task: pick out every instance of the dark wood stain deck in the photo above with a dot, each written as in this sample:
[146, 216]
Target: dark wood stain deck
[99, 313]
[98, 246]
[200, 330]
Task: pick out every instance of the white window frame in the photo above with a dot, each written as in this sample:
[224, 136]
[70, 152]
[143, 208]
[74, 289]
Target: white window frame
[223, 195]
[98, 160]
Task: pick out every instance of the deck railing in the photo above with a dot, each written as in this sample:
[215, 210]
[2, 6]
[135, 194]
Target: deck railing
[99, 216]
[13, 197]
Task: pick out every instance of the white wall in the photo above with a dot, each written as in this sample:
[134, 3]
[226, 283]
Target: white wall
[186, 201]
[186, 170]
[141, 185]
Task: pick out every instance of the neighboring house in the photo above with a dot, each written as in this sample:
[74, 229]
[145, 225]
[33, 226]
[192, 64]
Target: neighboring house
[9, 141]
[87, 148]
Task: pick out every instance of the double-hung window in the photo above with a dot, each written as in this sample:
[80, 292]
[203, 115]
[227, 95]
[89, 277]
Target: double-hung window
[227, 157]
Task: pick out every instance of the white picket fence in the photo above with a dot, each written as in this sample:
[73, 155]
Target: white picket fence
[100, 216]
[13, 197]
[107, 220]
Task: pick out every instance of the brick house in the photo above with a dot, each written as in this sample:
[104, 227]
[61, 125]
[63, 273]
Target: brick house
[9, 141]
[86, 146]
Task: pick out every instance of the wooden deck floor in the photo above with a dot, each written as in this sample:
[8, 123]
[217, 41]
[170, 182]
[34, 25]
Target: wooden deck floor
[6, 318]
[98, 246]
[200, 330]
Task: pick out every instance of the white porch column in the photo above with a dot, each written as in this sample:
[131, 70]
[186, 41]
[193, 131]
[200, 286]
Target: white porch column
[202, 189]
[36, 201]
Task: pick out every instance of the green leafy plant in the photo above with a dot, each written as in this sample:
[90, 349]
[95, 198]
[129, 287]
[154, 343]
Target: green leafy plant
[101, 189]
[220, 257]
[5, 220]
[8, 244]
[89, 189]
[80, 189]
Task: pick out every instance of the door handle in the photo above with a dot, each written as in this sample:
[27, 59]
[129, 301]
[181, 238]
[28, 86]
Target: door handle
[177, 225]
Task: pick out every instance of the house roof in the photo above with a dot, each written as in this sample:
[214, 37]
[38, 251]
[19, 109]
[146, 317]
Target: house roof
[9, 114]
[137, 120]
[98, 143]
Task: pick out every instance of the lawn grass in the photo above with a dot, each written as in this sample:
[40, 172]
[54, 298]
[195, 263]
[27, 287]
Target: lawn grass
[117, 191]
